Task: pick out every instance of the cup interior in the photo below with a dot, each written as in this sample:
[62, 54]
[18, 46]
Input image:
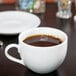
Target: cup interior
[43, 30]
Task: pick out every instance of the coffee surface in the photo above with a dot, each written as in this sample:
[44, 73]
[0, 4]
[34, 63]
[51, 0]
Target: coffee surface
[42, 40]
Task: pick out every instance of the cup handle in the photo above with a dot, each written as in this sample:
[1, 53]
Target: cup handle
[11, 57]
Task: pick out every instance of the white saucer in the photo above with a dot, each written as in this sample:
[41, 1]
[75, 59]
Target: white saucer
[14, 22]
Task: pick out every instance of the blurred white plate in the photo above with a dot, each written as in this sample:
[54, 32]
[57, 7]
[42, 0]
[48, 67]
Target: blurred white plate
[14, 22]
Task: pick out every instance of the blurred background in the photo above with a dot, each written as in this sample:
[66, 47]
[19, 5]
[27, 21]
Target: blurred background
[13, 1]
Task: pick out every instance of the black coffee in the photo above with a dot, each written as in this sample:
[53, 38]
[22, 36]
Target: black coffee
[42, 40]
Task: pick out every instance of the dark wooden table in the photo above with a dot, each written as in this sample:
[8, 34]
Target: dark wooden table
[48, 19]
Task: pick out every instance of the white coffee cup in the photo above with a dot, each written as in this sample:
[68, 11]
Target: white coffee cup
[40, 59]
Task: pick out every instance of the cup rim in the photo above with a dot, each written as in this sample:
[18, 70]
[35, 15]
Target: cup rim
[66, 37]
